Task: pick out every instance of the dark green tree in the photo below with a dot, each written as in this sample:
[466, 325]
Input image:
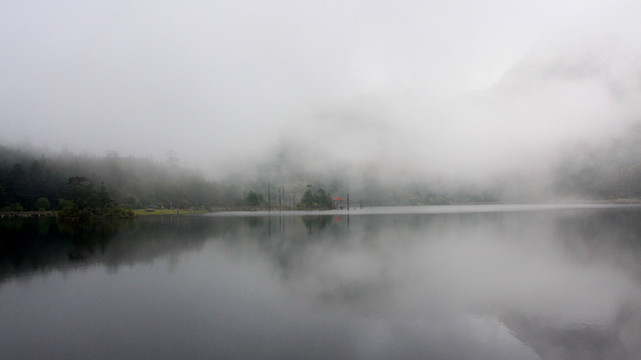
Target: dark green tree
[102, 198]
[43, 204]
[80, 191]
[254, 199]
[318, 200]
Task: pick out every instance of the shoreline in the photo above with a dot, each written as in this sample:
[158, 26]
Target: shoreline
[248, 209]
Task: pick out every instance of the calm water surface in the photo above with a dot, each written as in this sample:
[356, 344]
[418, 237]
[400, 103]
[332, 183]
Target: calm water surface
[453, 282]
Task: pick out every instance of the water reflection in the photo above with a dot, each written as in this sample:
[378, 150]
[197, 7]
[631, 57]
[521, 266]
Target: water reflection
[558, 284]
[317, 223]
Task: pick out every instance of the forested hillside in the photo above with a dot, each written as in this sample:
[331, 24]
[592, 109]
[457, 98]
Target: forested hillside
[32, 181]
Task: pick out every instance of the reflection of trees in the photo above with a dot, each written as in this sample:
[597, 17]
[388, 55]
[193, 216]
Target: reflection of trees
[28, 245]
[254, 221]
[316, 222]
[300, 246]
[31, 244]
[89, 236]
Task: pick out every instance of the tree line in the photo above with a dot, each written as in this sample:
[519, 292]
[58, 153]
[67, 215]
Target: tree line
[32, 179]
[30, 182]
[44, 182]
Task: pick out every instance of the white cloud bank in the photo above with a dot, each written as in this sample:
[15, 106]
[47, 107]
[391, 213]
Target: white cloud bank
[458, 88]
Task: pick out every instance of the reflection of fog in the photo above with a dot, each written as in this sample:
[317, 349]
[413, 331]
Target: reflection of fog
[559, 290]
[551, 285]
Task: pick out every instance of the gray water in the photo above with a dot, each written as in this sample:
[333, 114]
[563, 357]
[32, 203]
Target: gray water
[451, 282]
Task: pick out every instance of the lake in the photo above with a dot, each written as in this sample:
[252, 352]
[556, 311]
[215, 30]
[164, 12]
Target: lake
[438, 282]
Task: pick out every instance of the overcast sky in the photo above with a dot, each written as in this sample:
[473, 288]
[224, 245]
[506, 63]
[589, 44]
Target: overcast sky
[453, 86]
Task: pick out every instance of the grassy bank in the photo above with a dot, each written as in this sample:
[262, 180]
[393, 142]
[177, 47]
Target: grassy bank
[144, 212]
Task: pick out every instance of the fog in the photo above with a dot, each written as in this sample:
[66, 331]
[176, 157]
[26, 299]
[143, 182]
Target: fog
[457, 90]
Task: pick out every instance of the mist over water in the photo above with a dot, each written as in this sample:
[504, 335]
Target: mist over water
[493, 283]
